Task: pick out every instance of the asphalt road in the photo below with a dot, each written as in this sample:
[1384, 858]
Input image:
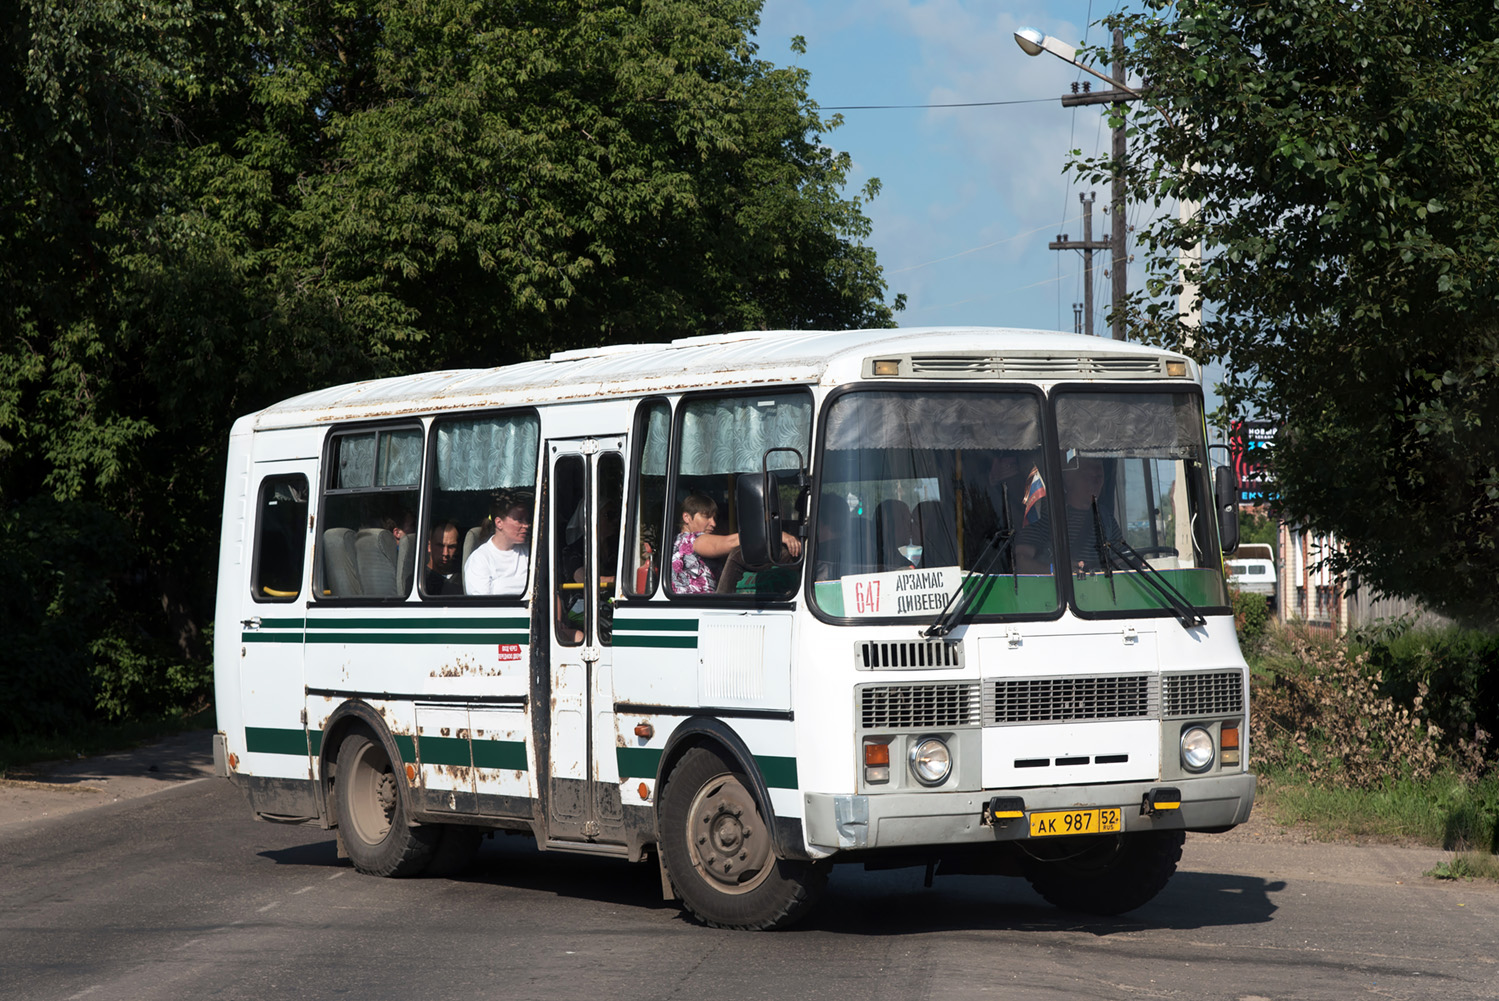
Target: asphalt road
[167, 889]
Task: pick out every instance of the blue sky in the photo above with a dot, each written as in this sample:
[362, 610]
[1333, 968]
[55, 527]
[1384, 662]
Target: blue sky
[971, 196]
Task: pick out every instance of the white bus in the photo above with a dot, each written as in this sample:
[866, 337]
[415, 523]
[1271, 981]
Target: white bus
[754, 604]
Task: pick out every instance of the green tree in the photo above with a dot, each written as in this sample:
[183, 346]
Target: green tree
[208, 206]
[1342, 158]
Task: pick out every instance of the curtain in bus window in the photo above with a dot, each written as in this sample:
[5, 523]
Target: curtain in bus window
[355, 463]
[487, 453]
[400, 458]
[1130, 424]
[733, 434]
[657, 439]
[946, 421]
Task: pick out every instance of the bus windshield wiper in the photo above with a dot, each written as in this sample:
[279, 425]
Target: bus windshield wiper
[1001, 540]
[1118, 551]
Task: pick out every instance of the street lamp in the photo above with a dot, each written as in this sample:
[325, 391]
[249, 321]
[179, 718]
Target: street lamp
[1032, 42]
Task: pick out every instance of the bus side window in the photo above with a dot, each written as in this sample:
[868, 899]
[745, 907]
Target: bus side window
[723, 438]
[280, 538]
[368, 522]
[643, 548]
[474, 460]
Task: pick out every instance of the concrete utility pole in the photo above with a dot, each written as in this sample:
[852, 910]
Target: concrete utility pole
[1087, 245]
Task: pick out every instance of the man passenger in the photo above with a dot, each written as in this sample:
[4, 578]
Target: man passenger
[442, 560]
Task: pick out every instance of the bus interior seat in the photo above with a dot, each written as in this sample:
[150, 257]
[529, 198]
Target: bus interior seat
[405, 563]
[375, 550]
[340, 566]
[471, 542]
[938, 547]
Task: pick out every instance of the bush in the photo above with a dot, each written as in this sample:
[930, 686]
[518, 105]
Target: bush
[1251, 616]
[1320, 714]
[1455, 673]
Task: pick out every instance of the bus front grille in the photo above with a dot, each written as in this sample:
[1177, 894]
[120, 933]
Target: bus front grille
[907, 654]
[919, 707]
[1012, 701]
[1209, 693]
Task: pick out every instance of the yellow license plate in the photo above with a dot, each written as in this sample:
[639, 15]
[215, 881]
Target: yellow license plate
[1054, 823]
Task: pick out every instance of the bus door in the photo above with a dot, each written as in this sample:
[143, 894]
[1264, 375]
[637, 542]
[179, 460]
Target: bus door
[583, 540]
[273, 617]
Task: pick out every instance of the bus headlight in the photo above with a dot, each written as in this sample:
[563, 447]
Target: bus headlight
[931, 762]
[1197, 749]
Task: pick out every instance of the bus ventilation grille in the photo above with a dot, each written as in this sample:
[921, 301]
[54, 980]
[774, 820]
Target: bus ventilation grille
[1060, 700]
[919, 707]
[1036, 366]
[1211, 693]
[909, 654]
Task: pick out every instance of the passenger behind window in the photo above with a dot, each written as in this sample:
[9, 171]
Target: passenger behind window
[442, 561]
[698, 553]
[499, 565]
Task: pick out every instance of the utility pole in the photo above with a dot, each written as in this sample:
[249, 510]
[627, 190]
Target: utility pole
[1118, 96]
[1087, 245]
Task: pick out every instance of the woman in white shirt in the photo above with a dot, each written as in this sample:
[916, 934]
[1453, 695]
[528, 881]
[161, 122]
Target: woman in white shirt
[500, 564]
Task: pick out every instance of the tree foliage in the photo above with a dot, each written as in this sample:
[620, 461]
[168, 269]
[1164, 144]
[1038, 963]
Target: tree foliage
[1342, 161]
[208, 206]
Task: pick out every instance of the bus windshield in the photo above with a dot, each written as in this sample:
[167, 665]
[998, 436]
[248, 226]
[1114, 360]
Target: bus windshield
[1136, 491]
[915, 486]
[920, 488]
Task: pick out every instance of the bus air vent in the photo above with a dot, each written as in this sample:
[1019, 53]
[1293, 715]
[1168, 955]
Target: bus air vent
[907, 655]
[1035, 366]
[1011, 701]
[1209, 693]
[919, 707]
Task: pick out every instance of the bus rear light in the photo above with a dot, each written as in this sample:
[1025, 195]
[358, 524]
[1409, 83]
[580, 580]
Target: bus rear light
[876, 761]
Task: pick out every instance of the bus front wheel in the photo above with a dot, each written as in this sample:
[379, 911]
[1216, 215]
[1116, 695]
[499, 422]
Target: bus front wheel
[372, 812]
[718, 852]
[1108, 875]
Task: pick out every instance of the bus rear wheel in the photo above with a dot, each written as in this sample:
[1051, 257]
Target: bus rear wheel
[718, 853]
[372, 812]
[1104, 875]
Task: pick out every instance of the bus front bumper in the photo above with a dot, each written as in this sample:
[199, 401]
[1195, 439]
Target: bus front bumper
[837, 823]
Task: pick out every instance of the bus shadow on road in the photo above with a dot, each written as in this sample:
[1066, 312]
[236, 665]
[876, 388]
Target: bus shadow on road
[883, 904]
[859, 902]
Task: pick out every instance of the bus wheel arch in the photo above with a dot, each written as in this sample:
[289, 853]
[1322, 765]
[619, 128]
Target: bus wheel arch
[369, 797]
[716, 834]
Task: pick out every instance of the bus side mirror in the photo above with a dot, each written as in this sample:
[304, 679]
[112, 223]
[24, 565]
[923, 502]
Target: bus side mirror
[758, 521]
[758, 497]
[1226, 495]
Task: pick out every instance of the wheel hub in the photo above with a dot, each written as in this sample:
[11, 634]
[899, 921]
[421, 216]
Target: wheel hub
[730, 846]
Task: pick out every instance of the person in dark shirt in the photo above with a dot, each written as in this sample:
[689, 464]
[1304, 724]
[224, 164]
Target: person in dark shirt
[1081, 485]
[441, 576]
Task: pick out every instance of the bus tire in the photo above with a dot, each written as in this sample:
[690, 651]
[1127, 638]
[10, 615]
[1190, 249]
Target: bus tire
[718, 852]
[1105, 876]
[372, 812]
[456, 848]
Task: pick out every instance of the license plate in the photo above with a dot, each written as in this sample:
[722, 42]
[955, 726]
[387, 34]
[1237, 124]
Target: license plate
[1059, 822]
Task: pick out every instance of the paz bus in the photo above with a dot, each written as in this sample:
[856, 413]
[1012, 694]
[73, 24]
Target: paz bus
[950, 598]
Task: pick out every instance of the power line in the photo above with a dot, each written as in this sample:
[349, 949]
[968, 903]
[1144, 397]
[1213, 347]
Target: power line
[900, 107]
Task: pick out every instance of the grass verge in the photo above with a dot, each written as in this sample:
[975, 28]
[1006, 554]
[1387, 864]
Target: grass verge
[100, 738]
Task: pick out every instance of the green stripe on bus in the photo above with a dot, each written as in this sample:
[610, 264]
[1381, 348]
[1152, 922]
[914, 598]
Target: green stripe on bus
[249, 637]
[779, 773]
[657, 625]
[432, 639]
[444, 751]
[637, 762]
[405, 746]
[642, 762]
[509, 754]
[677, 642]
[422, 622]
[274, 740]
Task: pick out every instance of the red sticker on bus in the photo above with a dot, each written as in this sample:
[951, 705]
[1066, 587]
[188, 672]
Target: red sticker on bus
[509, 651]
